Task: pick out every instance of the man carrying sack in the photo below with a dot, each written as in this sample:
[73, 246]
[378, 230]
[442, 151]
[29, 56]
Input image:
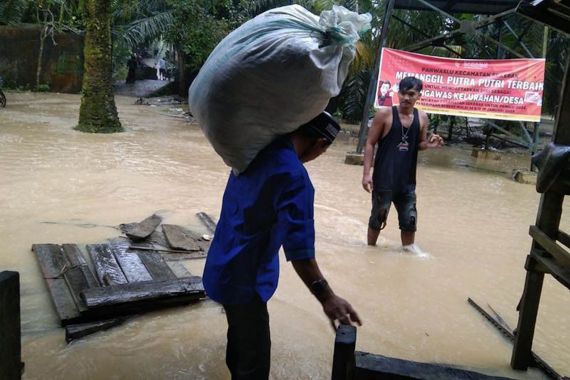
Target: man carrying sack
[267, 206]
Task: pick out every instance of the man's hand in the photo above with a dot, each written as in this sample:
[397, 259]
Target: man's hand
[339, 311]
[367, 182]
[435, 141]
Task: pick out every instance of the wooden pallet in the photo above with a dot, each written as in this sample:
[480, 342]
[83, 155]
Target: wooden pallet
[119, 282]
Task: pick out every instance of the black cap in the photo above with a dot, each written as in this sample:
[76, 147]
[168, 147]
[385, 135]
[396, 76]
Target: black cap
[324, 125]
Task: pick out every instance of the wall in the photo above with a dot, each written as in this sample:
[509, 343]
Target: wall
[62, 63]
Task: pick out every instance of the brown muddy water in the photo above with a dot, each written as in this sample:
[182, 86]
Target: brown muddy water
[62, 186]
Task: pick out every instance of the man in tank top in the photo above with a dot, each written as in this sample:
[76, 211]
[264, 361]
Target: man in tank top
[400, 132]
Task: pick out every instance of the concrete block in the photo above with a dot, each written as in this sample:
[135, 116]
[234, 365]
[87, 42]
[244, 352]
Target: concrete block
[485, 154]
[354, 158]
[524, 176]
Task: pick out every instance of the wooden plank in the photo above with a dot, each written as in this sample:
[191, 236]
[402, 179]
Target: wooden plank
[142, 230]
[80, 330]
[106, 267]
[343, 357]
[559, 253]
[51, 259]
[173, 256]
[178, 269]
[521, 356]
[371, 366]
[132, 266]
[156, 266]
[552, 266]
[179, 238]
[52, 263]
[208, 222]
[10, 336]
[76, 259]
[65, 306]
[150, 291]
[77, 275]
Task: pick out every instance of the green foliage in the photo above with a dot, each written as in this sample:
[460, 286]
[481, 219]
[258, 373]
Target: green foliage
[353, 96]
[12, 11]
[43, 87]
[199, 25]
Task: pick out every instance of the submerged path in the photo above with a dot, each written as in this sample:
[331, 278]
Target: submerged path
[140, 89]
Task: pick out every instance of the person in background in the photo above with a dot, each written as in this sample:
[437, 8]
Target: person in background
[400, 132]
[269, 206]
[132, 67]
[160, 68]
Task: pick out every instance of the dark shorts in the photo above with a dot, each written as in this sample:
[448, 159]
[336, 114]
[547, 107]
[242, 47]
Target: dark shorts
[405, 206]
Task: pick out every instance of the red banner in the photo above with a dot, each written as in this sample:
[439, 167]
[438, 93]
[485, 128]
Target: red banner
[508, 89]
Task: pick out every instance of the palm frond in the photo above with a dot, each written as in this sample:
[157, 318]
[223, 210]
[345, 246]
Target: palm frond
[353, 96]
[147, 28]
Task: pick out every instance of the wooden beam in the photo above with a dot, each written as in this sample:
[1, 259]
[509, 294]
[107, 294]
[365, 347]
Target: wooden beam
[552, 266]
[80, 330]
[52, 264]
[550, 246]
[343, 357]
[143, 293]
[379, 367]
[11, 365]
[522, 355]
[77, 274]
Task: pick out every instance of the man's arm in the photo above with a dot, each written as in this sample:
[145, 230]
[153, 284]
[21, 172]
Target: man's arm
[434, 141]
[375, 133]
[335, 308]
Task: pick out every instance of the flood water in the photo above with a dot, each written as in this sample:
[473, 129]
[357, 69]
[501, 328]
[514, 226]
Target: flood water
[62, 186]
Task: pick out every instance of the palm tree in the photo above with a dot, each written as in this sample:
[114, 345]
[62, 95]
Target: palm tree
[98, 113]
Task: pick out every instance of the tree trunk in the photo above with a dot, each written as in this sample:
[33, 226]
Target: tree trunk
[43, 34]
[98, 113]
[182, 85]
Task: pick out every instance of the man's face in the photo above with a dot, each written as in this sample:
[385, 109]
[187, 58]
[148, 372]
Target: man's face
[384, 88]
[319, 147]
[409, 97]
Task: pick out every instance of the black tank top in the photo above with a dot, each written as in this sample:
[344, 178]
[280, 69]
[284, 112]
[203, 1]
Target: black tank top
[397, 156]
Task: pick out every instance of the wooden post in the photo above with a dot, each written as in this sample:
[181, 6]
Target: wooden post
[343, 358]
[10, 337]
[547, 221]
[528, 311]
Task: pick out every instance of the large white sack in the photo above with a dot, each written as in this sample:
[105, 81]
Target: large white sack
[271, 75]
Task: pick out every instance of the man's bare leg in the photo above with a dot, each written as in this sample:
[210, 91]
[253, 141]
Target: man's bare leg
[373, 236]
[408, 237]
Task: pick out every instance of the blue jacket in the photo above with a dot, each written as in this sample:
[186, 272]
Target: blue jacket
[267, 206]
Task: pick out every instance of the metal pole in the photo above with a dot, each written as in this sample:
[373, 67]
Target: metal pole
[374, 77]
[535, 136]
